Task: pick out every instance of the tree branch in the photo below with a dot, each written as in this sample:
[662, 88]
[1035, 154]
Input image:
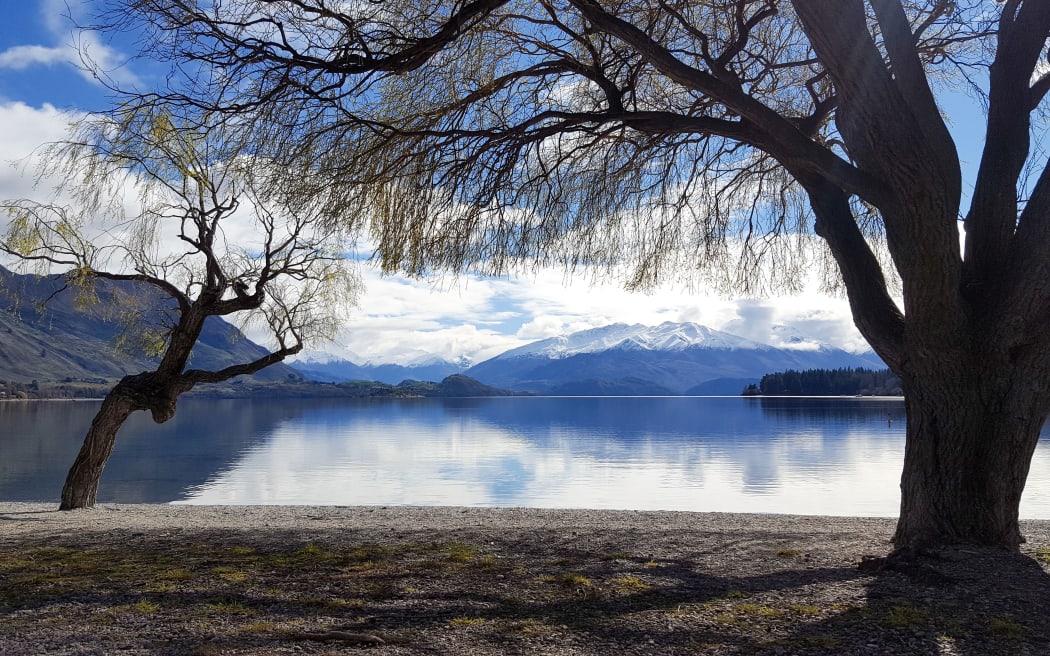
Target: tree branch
[778, 135]
[193, 377]
[993, 215]
[876, 314]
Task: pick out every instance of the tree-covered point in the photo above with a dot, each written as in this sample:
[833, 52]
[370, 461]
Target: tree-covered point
[828, 382]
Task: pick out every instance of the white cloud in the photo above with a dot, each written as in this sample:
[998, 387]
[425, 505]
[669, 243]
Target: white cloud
[80, 49]
[23, 130]
[22, 57]
[399, 320]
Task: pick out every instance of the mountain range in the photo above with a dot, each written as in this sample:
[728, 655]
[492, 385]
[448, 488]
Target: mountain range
[340, 371]
[66, 339]
[70, 337]
[672, 358]
[620, 359]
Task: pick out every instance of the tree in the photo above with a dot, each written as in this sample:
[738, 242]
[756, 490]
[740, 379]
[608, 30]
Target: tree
[667, 136]
[190, 240]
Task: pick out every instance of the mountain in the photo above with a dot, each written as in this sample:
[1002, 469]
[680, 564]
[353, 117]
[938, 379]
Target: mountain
[672, 358]
[341, 371]
[67, 338]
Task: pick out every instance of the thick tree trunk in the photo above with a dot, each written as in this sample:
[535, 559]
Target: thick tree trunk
[965, 464]
[81, 485]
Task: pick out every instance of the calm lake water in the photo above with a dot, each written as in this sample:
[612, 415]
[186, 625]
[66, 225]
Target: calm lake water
[806, 456]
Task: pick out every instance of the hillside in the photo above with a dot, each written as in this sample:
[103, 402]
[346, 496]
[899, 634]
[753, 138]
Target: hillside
[66, 339]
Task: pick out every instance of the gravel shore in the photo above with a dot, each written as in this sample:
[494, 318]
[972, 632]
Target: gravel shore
[170, 579]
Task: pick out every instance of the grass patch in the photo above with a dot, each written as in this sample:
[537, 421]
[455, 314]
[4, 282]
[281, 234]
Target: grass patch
[527, 627]
[144, 607]
[177, 574]
[459, 552]
[630, 584]
[229, 574]
[569, 580]
[228, 607]
[758, 610]
[1005, 626]
[902, 616]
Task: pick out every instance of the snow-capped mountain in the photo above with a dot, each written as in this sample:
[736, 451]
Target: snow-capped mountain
[667, 336]
[336, 370]
[672, 358]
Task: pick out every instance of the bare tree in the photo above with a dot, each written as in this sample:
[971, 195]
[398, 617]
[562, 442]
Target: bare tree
[675, 135]
[201, 234]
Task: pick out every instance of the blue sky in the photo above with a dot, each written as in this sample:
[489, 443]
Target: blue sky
[398, 320]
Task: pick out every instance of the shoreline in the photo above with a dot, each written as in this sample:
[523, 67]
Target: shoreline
[25, 518]
[18, 518]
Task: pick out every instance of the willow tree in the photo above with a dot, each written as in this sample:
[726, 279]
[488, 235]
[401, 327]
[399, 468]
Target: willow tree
[676, 136]
[177, 211]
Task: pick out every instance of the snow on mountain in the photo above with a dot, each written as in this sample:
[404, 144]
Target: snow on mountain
[671, 358]
[337, 370]
[676, 358]
[668, 336]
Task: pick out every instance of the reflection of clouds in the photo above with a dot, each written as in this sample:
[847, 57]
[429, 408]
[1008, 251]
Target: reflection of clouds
[487, 452]
[430, 454]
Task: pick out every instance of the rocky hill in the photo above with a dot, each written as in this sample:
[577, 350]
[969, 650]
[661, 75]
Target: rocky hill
[48, 333]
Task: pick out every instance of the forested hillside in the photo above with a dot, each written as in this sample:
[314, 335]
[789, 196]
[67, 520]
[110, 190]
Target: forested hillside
[828, 382]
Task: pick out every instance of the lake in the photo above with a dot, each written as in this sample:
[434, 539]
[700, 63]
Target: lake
[781, 455]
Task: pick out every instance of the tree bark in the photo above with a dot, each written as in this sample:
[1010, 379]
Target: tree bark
[81, 486]
[966, 460]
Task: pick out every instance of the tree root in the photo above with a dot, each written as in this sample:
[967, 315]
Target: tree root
[908, 562]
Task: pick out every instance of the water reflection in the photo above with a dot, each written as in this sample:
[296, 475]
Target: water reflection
[808, 456]
[642, 453]
[151, 463]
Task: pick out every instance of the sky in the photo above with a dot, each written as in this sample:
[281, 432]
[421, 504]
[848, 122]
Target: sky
[42, 88]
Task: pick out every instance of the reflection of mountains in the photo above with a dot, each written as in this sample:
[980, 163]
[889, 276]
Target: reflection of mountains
[150, 464]
[627, 418]
[482, 451]
[787, 435]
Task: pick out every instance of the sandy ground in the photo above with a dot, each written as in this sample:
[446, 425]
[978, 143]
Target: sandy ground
[173, 579]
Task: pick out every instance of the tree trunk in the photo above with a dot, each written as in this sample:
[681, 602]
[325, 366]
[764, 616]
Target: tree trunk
[965, 463]
[82, 481]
